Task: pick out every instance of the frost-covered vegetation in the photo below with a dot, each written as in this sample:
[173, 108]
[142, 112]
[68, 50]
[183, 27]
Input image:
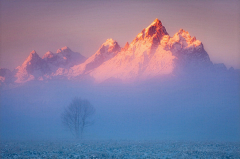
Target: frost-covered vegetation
[119, 149]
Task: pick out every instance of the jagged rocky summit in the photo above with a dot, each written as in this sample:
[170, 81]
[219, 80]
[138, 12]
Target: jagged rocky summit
[152, 53]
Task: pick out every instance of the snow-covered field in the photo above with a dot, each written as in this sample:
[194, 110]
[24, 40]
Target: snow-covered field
[119, 149]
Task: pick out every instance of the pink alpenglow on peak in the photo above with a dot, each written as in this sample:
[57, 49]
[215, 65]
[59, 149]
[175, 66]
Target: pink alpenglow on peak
[153, 33]
[156, 29]
[153, 53]
[48, 54]
[33, 55]
[64, 49]
[108, 50]
[33, 52]
[110, 46]
[31, 59]
[187, 42]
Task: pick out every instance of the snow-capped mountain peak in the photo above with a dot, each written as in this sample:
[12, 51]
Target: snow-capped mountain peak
[110, 46]
[183, 37]
[33, 52]
[108, 50]
[32, 68]
[33, 56]
[64, 49]
[32, 59]
[109, 41]
[64, 57]
[156, 28]
[48, 55]
[35, 67]
[151, 35]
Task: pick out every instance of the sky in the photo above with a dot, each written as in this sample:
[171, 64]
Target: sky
[83, 26]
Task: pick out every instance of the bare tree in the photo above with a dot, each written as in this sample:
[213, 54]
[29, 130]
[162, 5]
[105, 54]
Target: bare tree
[76, 116]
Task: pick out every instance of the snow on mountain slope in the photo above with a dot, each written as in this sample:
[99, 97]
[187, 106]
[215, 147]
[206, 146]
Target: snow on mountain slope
[133, 59]
[37, 68]
[107, 51]
[33, 68]
[64, 57]
[153, 52]
[190, 52]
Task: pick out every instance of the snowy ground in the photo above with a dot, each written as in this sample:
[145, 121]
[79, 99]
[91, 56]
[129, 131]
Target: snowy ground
[119, 149]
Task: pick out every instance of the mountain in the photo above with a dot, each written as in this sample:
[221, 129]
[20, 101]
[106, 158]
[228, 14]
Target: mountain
[108, 50]
[37, 68]
[34, 67]
[6, 76]
[61, 61]
[64, 57]
[151, 54]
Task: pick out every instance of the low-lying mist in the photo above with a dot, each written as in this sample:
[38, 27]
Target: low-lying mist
[174, 108]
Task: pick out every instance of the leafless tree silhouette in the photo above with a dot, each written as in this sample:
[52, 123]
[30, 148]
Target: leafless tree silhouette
[76, 116]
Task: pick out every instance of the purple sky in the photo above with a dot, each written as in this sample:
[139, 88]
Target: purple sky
[83, 26]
